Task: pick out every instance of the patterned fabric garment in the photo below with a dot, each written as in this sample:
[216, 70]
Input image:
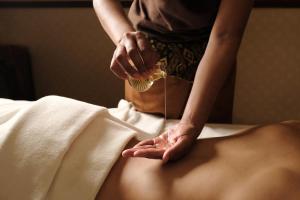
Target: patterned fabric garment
[180, 59]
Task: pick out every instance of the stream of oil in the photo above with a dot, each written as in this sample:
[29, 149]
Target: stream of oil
[165, 91]
[165, 101]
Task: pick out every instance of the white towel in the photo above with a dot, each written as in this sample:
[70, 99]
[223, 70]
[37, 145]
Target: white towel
[57, 148]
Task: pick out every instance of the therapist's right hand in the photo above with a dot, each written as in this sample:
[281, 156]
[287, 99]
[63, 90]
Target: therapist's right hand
[134, 56]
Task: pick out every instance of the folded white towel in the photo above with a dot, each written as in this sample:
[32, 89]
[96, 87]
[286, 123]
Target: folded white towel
[57, 148]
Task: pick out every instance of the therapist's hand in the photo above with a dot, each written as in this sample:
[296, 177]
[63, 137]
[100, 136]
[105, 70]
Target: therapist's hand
[134, 56]
[171, 145]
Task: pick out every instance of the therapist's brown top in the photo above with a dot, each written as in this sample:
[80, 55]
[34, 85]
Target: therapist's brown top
[177, 25]
[177, 20]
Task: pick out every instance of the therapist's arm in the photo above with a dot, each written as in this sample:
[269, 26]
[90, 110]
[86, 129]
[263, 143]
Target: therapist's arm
[131, 45]
[217, 62]
[112, 18]
[213, 69]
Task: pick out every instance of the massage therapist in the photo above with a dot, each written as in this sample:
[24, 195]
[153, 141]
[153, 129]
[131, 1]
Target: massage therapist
[199, 41]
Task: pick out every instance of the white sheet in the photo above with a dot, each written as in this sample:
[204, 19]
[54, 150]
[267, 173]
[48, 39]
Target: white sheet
[126, 112]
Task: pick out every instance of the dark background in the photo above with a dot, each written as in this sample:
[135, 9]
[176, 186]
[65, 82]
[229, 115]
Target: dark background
[125, 3]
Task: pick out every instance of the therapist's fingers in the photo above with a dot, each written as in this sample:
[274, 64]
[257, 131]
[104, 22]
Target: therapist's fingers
[116, 68]
[145, 142]
[122, 59]
[149, 146]
[150, 153]
[149, 55]
[130, 152]
[134, 53]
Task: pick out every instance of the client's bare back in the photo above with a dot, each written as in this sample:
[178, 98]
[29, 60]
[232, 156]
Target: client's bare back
[275, 168]
[261, 163]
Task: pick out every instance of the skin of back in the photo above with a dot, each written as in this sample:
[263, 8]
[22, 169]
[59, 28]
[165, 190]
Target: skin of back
[260, 163]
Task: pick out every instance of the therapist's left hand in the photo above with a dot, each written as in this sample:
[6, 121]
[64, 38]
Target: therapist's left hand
[171, 145]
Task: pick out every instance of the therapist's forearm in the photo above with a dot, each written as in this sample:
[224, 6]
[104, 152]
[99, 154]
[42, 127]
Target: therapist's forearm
[113, 18]
[211, 74]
